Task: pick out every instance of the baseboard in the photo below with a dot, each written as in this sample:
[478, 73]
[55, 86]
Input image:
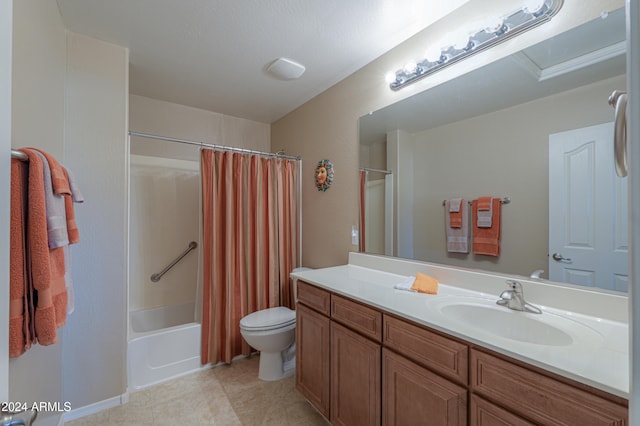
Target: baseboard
[96, 407]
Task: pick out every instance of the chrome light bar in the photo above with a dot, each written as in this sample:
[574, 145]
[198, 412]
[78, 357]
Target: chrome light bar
[532, 14]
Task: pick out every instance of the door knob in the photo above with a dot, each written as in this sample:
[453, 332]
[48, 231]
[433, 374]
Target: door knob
[560, 258]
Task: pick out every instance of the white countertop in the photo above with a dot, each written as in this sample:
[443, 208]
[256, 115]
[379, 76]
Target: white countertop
[600, 360]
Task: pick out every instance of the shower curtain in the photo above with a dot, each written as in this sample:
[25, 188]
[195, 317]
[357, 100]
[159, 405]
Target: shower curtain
[250, 244]
[363, 210]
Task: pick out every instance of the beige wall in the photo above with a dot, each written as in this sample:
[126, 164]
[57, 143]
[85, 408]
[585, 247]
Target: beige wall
[327, 126]
[504, 153]
[39, 51]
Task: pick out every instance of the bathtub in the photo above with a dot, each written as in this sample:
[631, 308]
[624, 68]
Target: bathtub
[164, 343]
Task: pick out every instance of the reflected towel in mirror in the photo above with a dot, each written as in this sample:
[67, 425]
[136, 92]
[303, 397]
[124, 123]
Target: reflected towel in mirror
[457, 238]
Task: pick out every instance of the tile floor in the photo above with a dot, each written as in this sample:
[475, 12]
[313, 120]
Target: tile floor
[223, 395]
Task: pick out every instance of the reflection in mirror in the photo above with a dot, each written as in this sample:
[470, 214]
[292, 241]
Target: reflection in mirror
[501, 131]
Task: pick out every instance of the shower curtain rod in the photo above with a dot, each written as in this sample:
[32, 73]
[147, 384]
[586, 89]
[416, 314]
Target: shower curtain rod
[250, 151]
[367, 169]
[208, 145]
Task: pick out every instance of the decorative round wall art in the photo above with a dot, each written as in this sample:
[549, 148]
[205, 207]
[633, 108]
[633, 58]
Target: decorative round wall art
[324, 175]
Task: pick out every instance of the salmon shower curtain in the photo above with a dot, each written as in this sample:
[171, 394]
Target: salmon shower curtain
[363, 209]
[250, 244]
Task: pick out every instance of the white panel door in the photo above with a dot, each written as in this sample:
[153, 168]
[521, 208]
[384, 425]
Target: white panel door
[588, 242]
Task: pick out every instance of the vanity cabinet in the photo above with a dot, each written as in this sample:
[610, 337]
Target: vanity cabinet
[312, 346]
[483, 413]
[412, 394]
[338, 356]
[539, 396]
[355, 378]
[424, 376]
[359, 365]
[356, 332]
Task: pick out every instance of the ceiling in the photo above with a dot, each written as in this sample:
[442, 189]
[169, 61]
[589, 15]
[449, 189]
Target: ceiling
[583, 55]
[213, 54]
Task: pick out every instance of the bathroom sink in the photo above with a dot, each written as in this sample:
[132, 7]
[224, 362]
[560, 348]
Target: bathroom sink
[542, 329]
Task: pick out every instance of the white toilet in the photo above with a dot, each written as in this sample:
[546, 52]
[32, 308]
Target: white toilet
[272, 331]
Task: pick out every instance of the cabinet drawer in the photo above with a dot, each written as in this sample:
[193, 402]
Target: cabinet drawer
[442, 355]
[483, 413]
[540, 398]
[314, 297]
[366, 321]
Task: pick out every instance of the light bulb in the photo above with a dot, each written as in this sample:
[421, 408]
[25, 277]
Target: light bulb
[433, 54]
[460, 41]
[410, 67]
[390, 77]
[532, 6]
[493, 24]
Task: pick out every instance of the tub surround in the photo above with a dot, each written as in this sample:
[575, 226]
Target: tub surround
[370, 279]
[164, 343]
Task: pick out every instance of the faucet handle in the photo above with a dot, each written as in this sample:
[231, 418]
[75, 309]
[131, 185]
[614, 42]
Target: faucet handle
[514, 285]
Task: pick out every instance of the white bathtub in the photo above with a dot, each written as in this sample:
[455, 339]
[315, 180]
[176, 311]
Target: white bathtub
[164, 343]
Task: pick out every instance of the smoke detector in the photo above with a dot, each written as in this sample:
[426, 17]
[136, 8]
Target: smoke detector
[285, 69]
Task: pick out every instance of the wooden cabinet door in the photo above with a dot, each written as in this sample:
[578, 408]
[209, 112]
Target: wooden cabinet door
[355, 378]
[312, 357]
[413, 395]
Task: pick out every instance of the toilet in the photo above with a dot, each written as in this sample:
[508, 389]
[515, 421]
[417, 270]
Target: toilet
[272, 332]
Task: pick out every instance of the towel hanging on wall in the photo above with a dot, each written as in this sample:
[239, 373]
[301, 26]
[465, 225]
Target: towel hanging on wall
[457, 236]
[486, 240]
[42, 227]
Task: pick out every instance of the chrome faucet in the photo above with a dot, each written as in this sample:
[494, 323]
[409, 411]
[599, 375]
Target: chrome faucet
[536, 274]
[514, 299]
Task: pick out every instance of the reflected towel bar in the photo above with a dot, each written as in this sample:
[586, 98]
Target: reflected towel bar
[156, 277]
[505, 200]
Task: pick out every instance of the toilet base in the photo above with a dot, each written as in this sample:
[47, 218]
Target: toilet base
[272, 368]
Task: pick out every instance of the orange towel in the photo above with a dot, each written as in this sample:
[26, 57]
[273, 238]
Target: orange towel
[19, 332]
[72, 227]
[59, 179]
[487, 240]
[46, 265]
[484, 203]
[425, 284]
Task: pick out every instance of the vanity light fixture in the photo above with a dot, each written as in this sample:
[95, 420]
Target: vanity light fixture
[462, 45]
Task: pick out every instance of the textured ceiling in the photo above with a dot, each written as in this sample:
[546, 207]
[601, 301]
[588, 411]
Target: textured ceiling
[212, 54]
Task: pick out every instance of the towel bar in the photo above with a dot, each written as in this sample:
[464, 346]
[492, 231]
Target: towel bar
[19, 155]
[504, 200]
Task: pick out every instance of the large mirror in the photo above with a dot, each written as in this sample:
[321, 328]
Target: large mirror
[496, 132]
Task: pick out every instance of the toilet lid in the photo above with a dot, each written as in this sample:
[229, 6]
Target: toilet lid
[269, 318]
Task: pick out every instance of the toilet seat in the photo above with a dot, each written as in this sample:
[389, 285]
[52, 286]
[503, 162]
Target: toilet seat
[268, 319]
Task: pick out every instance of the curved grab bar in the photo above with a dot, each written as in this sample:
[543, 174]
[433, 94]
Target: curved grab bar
[618, 100]
[156, 277]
